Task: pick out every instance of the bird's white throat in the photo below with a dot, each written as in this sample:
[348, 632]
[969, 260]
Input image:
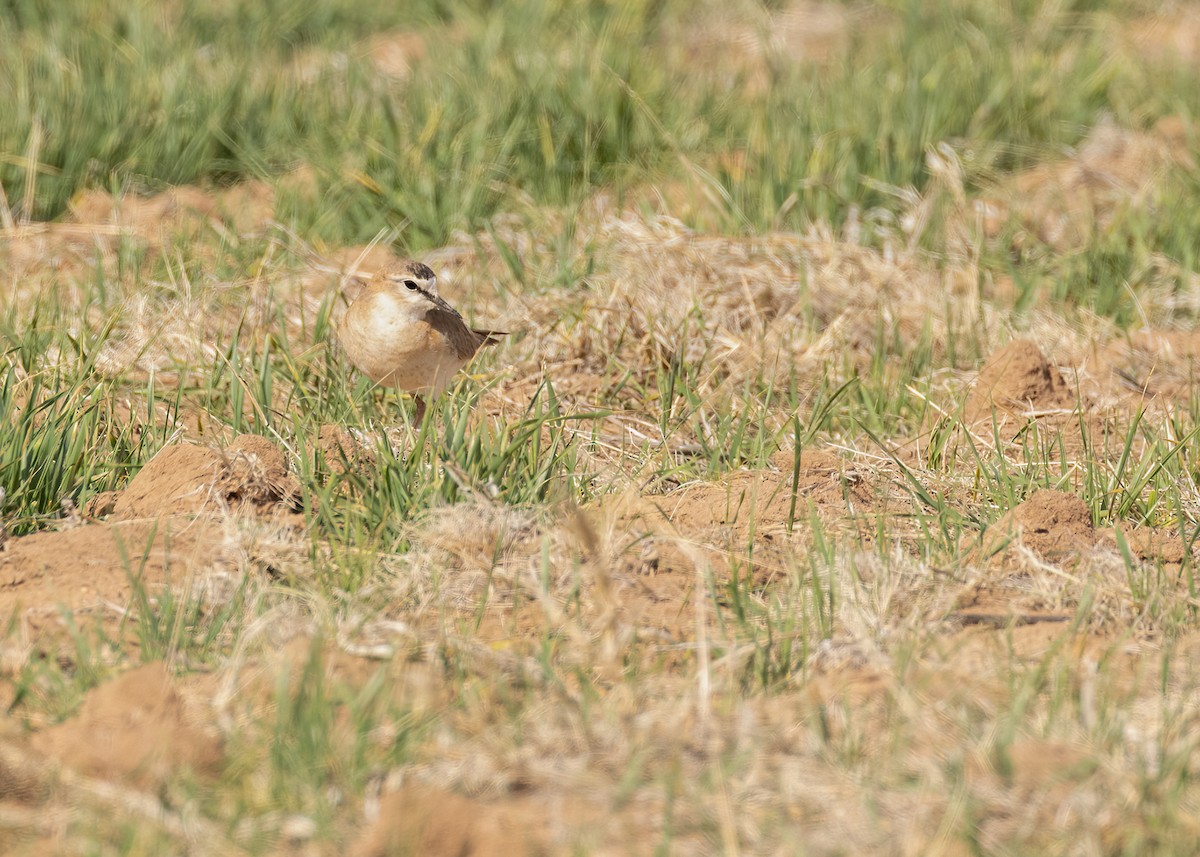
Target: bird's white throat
[393, 312]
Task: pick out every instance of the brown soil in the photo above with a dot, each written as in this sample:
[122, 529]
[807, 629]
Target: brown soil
[1063, 202]
[251, 475]
[760, 501]
[437, 823]
[1032, 555]
[98, 221]
[135, 728]
[394, 54]
[1016, 383]
[742, 49]
[84, 567]
[707, 525]
[166, 524]
[1172, 33]
[342, 450]
[1153, 363]
[244, 207]
[1054, 524]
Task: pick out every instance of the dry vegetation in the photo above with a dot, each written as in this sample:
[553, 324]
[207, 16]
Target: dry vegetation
[864, 525]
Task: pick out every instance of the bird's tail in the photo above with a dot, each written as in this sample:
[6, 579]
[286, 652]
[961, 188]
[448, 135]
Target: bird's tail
[490, 337]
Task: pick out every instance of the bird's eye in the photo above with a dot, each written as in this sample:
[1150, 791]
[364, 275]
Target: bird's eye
[409, 284]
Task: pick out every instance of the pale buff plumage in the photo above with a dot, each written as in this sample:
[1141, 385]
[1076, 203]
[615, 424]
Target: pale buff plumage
[400, 333]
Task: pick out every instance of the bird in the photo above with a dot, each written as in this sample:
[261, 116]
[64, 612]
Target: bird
[400, 333]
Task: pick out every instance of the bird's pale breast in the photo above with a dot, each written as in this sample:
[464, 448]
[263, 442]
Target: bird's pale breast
[396, 347]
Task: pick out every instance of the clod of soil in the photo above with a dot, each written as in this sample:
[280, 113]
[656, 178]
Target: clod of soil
[1054, 524]
[828, 480]
[247, 207]
[252, 474]
[437, 823]
[1154, 362]
[394, 54]
[1058, 526]
[706, 522]
[1052, 529]
[340, 449]
[1147, 544]
[86, 566]
[1017, 381]
[1064, 202]
[762, 500]
[134, 728]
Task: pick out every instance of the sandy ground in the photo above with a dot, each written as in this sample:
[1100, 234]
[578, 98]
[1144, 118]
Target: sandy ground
[206, 514]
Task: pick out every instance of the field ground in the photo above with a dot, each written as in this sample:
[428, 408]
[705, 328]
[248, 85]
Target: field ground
[836, 490]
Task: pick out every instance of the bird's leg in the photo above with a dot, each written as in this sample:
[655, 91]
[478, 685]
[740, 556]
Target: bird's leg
[418, 410]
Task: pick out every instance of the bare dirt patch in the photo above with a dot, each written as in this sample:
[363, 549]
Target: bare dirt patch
[184, 479]
[342, 450]
[1067, 411]
[244, 207]
[395, 53]
[1064, 202]
[1054, 524]
[96, 565]
[1171, 33]
[176, 517]
[746, 519]
[745, 46]
[1038, 559]
[1153, 363]
[135, 728]
[749, 501]
[1015, 384]
[425, 820]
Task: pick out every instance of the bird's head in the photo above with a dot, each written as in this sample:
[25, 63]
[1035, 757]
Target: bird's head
[414, 280]
[413, 284]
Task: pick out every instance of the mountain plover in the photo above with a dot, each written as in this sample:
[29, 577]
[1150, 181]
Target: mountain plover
[399, 333]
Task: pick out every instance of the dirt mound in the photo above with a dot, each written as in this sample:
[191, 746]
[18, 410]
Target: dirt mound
[98, 221]
[134, 728]
[1172, 33]
[1057, 527]
[98, 563]
[1153, 362]
[341, 449]
[92, 565]
[827, 480]
[395, 53]
[1017, 381]
[252, 474]
[761, 501]
[437, 823]
[1049, 529]
[1063, 202]
[245, 207]
[706, 522]
[1036, 558]
[1054, 524]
